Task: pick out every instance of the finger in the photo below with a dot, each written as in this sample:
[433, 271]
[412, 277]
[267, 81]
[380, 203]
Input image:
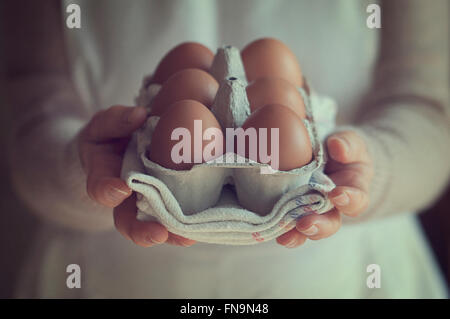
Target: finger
[103, 182]
[90, 150]
[349, 201]
[319, 226]
[291, 239]
[147, 234]
[347, 147]
[103, 159]
[353, 175]
[124, 215]
[107, 191]
[115, 122]
[178, 240]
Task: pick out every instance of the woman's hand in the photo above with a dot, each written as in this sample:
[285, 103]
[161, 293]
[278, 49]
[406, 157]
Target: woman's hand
[351, 169]
[102, 144]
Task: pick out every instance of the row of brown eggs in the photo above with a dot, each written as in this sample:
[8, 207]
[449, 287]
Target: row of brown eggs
[188, 91]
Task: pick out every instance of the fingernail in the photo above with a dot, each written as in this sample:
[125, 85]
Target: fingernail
[156, 234]
[291, 244]
[344, 146]
[311, 231]
[149, 240]
[116, 194]
[342, 199]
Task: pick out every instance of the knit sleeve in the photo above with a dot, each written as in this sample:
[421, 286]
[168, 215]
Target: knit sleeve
[405, 119]
[45, 115]
[43, 154]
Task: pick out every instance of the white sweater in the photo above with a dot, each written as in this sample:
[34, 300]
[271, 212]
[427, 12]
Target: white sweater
[405, 124]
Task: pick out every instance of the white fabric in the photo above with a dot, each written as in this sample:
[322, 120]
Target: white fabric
[331, 268]
[118, 43]
[228, 224]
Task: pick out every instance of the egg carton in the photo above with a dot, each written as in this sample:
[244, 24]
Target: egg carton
[231, 198]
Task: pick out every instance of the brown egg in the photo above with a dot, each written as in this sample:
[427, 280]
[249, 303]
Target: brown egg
[265, 91]
[184, 56]
[293, 144]
[192, 147]
[187, 84]
[271, 58]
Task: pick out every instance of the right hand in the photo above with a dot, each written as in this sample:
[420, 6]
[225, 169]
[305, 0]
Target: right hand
[101, 145]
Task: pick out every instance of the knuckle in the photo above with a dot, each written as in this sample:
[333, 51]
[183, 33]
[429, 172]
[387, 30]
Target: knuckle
[353, 177]
[91, 129]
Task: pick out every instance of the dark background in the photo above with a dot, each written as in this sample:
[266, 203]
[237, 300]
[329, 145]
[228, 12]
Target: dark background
[17, 226]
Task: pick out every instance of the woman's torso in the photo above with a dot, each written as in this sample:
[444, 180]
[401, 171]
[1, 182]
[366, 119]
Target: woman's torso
[118, 44]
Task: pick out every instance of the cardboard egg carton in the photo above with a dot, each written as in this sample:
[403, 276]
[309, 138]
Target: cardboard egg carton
[257, 186]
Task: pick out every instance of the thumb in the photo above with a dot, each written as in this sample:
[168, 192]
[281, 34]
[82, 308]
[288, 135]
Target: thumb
[347, 147]
[101, 150]
[115, 122]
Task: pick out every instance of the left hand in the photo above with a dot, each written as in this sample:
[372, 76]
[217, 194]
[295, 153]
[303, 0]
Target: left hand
[101, 146]
[351, 169]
